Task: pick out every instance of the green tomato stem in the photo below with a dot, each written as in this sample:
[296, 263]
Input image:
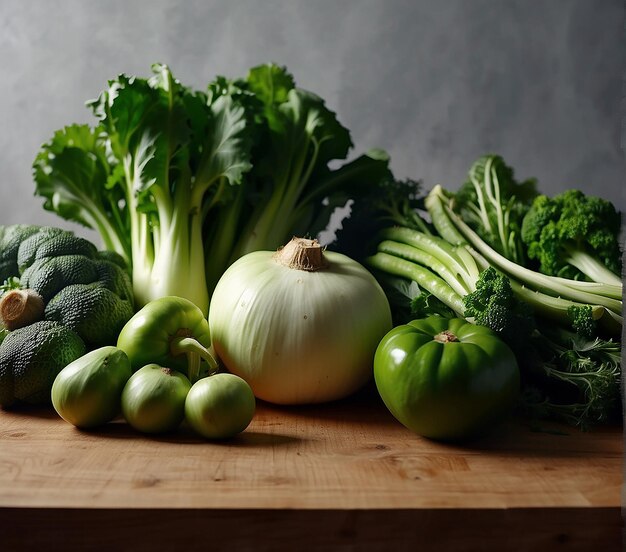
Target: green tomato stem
[195, 352]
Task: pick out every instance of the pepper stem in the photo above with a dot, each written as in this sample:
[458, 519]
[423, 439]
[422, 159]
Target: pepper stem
[196, 352]
[446, 336]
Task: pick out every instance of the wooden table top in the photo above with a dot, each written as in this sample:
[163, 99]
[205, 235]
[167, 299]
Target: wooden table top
[323, 464]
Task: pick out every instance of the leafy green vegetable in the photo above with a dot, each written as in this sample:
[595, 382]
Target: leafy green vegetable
[291, 189]
[493, 203]
[391, 202]
[181, 183]
[573, 379]
[575, 236]
[74, 173]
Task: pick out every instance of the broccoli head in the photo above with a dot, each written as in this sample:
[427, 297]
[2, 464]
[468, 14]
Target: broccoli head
[575, 236]
[494, 304]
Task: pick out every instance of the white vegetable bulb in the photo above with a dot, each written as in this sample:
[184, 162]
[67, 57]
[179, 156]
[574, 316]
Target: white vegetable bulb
[299, 325]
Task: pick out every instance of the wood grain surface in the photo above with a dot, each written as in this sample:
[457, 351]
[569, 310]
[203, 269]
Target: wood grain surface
[344, 476]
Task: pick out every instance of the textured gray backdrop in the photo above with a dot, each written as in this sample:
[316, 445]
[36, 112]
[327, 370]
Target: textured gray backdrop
[435, 82]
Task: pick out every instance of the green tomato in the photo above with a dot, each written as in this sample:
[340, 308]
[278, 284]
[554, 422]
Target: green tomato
[170, 331]
[220, 406]
[153, 400]
[446, 379]
[86, 393]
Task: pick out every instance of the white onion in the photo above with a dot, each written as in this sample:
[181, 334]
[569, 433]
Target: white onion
[299, 325]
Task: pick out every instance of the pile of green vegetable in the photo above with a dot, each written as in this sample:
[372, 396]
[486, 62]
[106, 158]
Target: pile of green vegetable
[180, 184]
[542, 272]
[479, 301]
[137, 378]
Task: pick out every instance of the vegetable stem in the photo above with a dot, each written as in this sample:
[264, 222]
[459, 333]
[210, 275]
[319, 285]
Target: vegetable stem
[195, 352]
[591, 267]
[302, 254]
[547, 284]
[20, 307]
[424, 277]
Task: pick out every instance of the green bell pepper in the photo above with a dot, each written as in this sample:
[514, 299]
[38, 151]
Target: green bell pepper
[171, 332]
[446, 379]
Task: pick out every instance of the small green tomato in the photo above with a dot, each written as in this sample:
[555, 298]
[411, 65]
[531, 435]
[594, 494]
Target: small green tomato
[86, 393]
[220, 406]
[153, 400]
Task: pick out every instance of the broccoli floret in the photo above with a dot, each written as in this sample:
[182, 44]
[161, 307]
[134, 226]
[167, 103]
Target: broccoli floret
[493, 304]
[575, 236]
[582, 321]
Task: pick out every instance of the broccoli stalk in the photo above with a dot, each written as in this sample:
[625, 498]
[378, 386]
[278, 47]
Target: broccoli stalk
[574, 236]
[450, 273]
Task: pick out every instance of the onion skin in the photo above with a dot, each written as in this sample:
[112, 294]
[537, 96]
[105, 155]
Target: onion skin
[298, 336]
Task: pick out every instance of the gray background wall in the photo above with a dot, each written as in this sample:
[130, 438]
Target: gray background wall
[435, 82]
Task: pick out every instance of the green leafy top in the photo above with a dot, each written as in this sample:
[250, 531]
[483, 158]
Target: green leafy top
[493, 203]
[183, 182]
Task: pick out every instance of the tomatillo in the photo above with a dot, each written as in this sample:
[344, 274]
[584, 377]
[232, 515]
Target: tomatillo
[446, 379]
[153, 399]
[86, 393]
[220, 406]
